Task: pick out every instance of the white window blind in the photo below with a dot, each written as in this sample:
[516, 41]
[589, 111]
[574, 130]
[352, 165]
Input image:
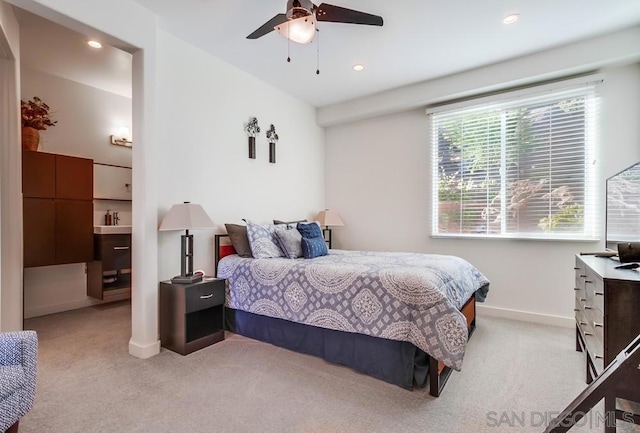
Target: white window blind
[518, 168]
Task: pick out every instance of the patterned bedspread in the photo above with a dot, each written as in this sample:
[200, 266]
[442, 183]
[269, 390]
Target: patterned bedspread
[398, 296]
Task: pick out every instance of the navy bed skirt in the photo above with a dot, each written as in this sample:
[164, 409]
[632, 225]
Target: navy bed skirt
[397, 362]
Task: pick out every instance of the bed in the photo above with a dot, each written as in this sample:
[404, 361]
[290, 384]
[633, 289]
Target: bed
[400, 317]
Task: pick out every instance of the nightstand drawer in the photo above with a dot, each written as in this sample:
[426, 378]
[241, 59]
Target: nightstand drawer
[205, 295]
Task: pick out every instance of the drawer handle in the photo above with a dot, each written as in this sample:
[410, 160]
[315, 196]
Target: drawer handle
[598, 325]
[588, 333]
[577, 289]
[588, 307]
[583, 276]
[583, 299]
[120, 248]
[576, 310]
[206, 296]
[583, 323]
[599, 293]
[599, 357]
[576, 269]
[588, 281]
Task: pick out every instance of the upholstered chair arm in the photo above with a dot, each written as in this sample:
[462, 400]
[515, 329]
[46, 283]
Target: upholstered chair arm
[18, 372]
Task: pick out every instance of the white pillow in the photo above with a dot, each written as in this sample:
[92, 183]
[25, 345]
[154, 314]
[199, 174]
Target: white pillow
[263, 241]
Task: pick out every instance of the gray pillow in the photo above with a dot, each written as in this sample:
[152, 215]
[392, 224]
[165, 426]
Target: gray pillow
[262, 240]
[238, 235]
[289, 223]
[290, 240]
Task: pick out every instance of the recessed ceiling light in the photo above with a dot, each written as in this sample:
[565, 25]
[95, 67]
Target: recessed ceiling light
[94, 44]
[358, 67]
[511, 18]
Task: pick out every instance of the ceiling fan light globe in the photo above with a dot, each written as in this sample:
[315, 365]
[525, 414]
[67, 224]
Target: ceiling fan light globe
[300, 30]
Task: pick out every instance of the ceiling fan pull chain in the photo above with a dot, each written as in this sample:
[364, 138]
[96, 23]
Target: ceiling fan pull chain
[318, 53]
[288, 45]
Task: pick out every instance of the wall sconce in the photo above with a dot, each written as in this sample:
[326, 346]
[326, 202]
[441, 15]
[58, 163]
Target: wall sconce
[123, 138]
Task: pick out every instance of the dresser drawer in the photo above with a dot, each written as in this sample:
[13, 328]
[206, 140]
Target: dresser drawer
[581, 319]
[598, 296]
[592, 284]
[595, 318]
[581, 273]
[201, 296]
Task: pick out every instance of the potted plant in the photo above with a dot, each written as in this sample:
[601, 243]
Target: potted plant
[252, 129]
[35, 117]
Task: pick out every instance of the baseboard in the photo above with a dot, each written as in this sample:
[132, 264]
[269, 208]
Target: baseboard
[59, 308]
[525, 316]
[144, 351]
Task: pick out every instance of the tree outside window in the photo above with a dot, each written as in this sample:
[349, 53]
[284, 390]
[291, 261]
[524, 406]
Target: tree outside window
[514, 169]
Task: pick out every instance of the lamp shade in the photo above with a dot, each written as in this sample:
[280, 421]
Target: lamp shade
[328, 218]
[186, 216]
[300, 30]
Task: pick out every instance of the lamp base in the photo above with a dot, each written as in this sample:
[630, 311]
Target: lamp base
[187, 279]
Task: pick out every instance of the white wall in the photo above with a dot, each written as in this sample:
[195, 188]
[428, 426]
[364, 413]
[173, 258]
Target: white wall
[204, 156]
[86, 117]
[189, 153]
[10, 174]
[378, 177]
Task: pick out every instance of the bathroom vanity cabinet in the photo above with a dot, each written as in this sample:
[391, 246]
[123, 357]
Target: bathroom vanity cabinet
[109, 274]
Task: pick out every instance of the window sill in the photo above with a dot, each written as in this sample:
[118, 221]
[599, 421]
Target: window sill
[519, 237]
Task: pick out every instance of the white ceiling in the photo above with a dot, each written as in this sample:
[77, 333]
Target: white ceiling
[420, 39]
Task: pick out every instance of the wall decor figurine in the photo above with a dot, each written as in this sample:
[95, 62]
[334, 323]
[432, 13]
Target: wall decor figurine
[252, 129]
[272, 137]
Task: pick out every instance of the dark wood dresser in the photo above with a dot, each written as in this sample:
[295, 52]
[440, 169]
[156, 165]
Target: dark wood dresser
[607, 310]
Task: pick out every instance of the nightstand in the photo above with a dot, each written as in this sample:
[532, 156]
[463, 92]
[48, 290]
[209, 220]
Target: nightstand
[191, 315]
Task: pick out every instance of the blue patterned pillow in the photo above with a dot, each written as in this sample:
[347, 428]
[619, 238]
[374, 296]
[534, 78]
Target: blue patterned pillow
[310, 230]
[262, 240]
[313, 244]
[314, 247]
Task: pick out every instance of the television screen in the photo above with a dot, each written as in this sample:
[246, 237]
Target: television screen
[623, 207]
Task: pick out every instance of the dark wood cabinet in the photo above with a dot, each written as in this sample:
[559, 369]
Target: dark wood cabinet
[191, 315]
[39, 231]
[607, 304]
[57, 209]
[38, 175]
[74, 178]
[74, 231]
[109, 275]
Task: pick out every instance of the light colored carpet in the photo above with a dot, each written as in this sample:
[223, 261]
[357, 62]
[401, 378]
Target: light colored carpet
[514, 374]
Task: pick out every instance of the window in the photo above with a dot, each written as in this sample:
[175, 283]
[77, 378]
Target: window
[517, 167]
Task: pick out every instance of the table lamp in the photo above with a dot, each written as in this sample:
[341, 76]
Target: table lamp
[328, 218]
[186, 216]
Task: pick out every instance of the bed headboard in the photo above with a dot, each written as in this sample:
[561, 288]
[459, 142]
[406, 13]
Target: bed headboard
[220, 250]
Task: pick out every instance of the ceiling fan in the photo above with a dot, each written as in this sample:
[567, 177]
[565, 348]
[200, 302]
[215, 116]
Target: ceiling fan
[299, 23]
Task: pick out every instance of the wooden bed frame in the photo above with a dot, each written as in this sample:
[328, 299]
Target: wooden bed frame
[438, 372]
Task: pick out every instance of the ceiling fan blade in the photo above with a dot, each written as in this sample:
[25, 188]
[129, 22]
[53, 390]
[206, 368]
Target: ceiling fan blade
[268, 26]
[337, 14]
